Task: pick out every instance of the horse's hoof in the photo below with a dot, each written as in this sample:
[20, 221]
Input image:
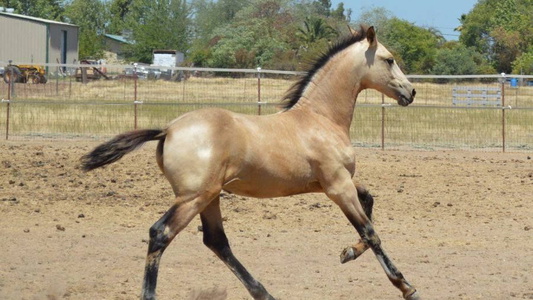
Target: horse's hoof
[347, 255]
[413, 296]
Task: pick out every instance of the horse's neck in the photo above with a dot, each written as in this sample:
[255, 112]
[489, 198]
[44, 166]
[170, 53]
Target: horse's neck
[332, 94]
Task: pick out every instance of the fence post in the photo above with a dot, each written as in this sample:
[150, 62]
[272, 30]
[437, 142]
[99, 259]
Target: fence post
[11, 85]
[10, 88]
[502, 81]
[383, 106]
[69, 85]
[57, 80]
[259, 91]
[135, 102]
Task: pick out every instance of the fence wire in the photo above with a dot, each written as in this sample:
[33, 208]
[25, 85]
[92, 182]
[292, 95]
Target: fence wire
[68, 108]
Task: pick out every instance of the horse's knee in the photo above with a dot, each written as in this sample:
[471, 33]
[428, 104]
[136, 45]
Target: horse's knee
[366, 200]
[158, 238]
[160, 233]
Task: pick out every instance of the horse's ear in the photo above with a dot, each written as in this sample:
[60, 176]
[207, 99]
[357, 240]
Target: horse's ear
[371, 36]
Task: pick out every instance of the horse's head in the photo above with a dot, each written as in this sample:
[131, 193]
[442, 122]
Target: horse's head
[382, 72]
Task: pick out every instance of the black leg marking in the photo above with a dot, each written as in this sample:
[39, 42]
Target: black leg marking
[366, 200]
[159, 241]
[370, 237]
[216, 240]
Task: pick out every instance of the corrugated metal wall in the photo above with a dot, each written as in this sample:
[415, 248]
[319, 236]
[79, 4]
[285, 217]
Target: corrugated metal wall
[22, 40]
[25, 41]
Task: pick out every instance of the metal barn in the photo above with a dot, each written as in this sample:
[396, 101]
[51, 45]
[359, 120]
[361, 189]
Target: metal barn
[30, 40]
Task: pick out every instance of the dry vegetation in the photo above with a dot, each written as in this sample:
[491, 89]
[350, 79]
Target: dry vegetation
[67, 108]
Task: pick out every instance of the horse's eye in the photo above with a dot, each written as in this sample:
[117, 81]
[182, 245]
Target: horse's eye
[390, 61]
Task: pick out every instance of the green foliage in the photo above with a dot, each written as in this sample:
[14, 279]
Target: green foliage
[161, 24]
[313, 30]
[323, 7]
[524, 63]
[255, 37]
[500, 29]
[91, 17]
[46, 9]
[415, 45]
[118, 12]
[209, 16]
[496, 35]
[379, 17]
[457, 59]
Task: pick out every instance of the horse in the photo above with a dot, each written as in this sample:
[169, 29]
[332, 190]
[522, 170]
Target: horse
[303, 148]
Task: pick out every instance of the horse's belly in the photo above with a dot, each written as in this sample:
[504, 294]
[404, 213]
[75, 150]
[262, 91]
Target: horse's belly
[269, 188]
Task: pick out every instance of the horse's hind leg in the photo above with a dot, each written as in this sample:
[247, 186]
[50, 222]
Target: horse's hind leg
[367, 202]
[162, 233]
[216, 240]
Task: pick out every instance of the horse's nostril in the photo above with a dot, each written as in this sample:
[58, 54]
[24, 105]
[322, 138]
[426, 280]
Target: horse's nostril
[413, 93]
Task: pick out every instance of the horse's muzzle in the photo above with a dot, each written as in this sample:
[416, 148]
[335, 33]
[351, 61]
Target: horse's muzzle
[404, 101]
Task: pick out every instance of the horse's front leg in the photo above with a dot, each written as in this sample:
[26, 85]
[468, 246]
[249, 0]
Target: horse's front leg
[340, 188]
[367, 202]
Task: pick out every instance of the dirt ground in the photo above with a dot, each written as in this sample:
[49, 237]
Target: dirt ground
[459, 225]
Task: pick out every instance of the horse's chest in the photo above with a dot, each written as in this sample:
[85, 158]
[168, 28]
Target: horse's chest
[337, 157]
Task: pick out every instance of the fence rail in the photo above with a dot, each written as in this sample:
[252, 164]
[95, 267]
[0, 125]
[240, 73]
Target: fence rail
[65, 108]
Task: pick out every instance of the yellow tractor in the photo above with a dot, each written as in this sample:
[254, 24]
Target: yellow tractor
[25, 73]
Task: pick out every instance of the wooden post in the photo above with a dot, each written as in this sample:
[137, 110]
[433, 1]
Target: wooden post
[259, 91]
[135, 96]
[382, 122]
[503, 111]
[9, 91]
[84, 78]
[57, 80]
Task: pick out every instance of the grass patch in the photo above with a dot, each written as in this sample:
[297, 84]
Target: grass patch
[104, 108]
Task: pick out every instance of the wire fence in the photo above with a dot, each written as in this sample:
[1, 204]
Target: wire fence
[96, 102]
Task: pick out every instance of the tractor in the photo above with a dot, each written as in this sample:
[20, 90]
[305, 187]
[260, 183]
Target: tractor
[25, 73]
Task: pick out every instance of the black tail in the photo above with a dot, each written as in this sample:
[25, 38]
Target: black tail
[119, 146]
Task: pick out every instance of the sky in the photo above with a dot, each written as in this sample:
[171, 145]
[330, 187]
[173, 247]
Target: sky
[442, 15]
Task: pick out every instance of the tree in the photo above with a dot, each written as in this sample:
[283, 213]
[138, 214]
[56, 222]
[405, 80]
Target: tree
[379, 17]
[91, 17]
[415, 45]
[500, 29]
[455, 58]
[119, 11]
[228, 9]
[323, 7]
[256, 37]
[340, 13]
[46, 9]
[158, 24]
[523, 64]
[313, 30]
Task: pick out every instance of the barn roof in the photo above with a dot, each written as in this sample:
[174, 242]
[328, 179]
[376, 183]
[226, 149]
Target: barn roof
[34, 19]
[118, 38]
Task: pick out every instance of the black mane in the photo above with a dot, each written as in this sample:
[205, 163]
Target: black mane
[295, 92]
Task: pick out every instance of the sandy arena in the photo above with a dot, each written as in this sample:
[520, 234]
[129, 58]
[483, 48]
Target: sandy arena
[459, 225]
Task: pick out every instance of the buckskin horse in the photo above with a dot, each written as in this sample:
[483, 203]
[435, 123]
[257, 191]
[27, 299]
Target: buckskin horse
[304, 148]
